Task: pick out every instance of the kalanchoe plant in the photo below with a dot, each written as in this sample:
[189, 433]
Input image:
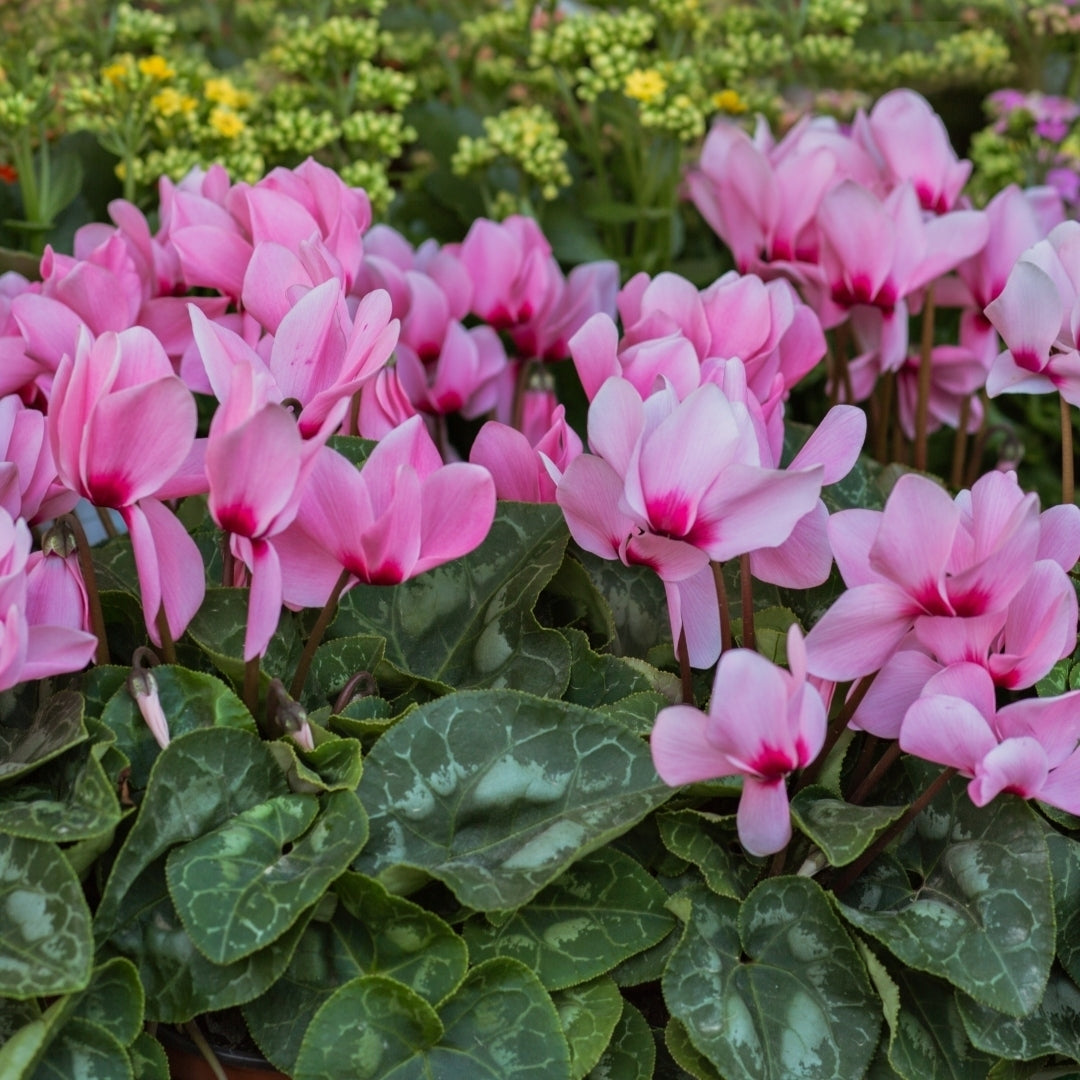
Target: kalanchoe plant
[418, 764]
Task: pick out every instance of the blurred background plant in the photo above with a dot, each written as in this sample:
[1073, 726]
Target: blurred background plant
[582, 116]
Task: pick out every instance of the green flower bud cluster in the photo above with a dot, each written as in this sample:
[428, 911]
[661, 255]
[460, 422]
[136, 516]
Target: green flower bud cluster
[685, 15]
[609, 72]
[372, 177]
[586, 37]
[845, 16]
[998, 162]
[528, 135]
[495, 29]
[384, 134]
[383, 86]
[138, 30]
[325, 50]
[678, 114]
[976, 57]
[298, 132]
[24, 107]
[828, 54]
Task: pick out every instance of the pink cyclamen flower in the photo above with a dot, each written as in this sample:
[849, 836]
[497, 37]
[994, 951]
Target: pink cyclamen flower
[924, 556]
[1038, 316]
[121, 427]
[1030, 748]
[673, 485]
[402, 513]
[763, 723]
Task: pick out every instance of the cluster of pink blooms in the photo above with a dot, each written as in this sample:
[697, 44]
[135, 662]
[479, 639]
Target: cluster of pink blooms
[101, 362]
[320, 324]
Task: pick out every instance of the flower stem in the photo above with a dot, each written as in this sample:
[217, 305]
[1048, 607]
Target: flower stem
[746, 585]
[956, 476]
[837, 727]
[205, 1049]
[725, 610]
[1067, 476]
[251, 684]
[326, 616]
[686, 674]
[168, 648]
[869, 782]
[922, 403]
[93, 597]
[895, 829]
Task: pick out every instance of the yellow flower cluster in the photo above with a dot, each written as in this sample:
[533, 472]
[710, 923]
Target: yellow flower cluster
[644, 85]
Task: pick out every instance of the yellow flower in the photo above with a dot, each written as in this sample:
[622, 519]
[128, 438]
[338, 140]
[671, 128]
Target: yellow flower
[156, 67]
[224, 93]
[645, 85]
[170, 102]
[117, 71]
[225, 122]
[729, 101]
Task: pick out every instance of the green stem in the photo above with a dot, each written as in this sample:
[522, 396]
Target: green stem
[326, 616]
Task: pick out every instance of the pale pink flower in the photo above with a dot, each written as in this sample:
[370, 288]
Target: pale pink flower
[763, 723]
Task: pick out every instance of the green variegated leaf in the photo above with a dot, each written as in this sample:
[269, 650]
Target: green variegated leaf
[334, 765]
[647, 966]
[371, 933]
[218, 629]
[982, 916]
[241, 886]
[706, 841]
[842, 831]
[496, 793]
[470, 623]
[773, 988]
[601, 911]
[70, 798]
[114, 1000]
[571, 599]
[148, 1060]
[630, 1053]
[926, 1035]
[1053, 1027]
[189, 699]
[588, 1014]
[637, 713]
[46, 944]
[597, 679]
[15, 1015]
[55, 727]
[686, 1055]
[635, 596]
[199, 781]
[1065, 865]
[180, 983]
[84, 1049]
[337, 661]
[499, 1023]
[357, 450]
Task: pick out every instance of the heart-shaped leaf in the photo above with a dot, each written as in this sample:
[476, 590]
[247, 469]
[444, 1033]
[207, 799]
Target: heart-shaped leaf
[707, 841]
[241, 886]
[82, 1048]
[588, 1014]
[773, 988]
[189, 700]
[842, 831]
[470, 623]
[1051, 1028]
[180, 983]
[46, 945]
[1065, 864]
[499, 1023]
[199, 781]
[982, 916]
[495, 793]
[114, 1000]
[602, 910]
[70, 798]
[631, 1051]
[372, 933]
[54, 728]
